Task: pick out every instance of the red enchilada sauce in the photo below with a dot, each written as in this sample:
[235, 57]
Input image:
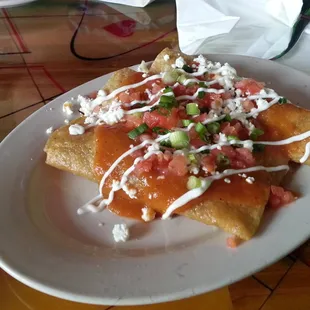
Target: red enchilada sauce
[158, 188]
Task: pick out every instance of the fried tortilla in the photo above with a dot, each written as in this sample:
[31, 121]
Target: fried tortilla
[236, 208]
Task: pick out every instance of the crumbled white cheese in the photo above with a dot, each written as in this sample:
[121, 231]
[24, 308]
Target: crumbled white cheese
[166, 57]
[222, 139]
[226, 180]
[243, 175]
[120, 232]
[180, 62]
[250, 180]
[161, 177]
[67, 108]
[234, 105]
[66, 121]
[153, 147]
[90, 120]
[49, 130]
[101, 93]
[248, 144]
[148, 214]
[86, 105]
[131, 146]
[76, 129]
[262, 104]
[113, 115]
[143, 67]
[238, 92]
[154, 195]
[130, 192]
[144, 75]
[228, 70]
[202, 64]
[194, 169]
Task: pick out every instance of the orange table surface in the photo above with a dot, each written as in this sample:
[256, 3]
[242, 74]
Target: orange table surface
[48, 47]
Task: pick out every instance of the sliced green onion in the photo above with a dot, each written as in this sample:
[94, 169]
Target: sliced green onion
[165, 143]
[193, 182]
[201, 129]
[168, 89]
[214, 127]
[222, 160]
[230, 138]
[182, 78]
[186, 122]
[202, 84]
[201, 94]
[256, 133]
[192, 158]
[282, 100]
[170, 77]
[227, 118]
[138, 131]
[192, 109]
[179, 139]
[167, 102]
[258, 148]
[187, 69]
[160, 130]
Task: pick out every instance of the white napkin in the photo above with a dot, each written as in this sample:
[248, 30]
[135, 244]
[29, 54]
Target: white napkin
[260, 28]
[137, 3]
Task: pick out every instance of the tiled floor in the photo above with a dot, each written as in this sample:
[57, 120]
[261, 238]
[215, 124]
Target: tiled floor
[36, 64]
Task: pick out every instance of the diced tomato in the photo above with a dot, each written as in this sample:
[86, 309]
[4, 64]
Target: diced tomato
[239, 158]
[132, 121]
[131, 95]
[217, 86]
[156, 119]
[233, 242]
[227, 95]
[208, 163]
[97, 109]
[201, 118]
[145, 165]
[163, 163]
[227, 150]
[249, 86]
[137, 153]
[145, 136]
[182, 113]
[210, 100]
[155, 86]
[93, 95]
[234, 128]
[179, 90]
[280, 197]
[244, 158]
[248, 105]
[178, 165]
[197, 143]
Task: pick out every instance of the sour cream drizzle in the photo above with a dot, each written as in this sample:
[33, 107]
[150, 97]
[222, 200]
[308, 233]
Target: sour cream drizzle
[306, 155]
[296, 138]
[206, 182]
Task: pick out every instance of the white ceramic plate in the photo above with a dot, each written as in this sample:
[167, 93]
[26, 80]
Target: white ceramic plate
[46, 245]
